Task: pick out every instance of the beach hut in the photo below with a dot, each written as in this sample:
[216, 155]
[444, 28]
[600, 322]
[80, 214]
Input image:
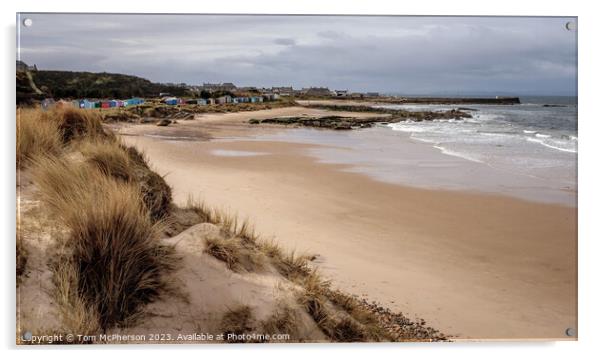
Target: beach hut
[201, 101]
[210, 101]
[63, 104]
[97, 104]
[171, 101]
[47, 103]
[105, 104]
[112, 103]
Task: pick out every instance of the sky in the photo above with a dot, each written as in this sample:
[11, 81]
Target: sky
[390, 54]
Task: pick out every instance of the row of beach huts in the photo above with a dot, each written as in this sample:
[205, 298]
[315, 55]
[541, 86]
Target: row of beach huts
[220, 100]
[91, 104]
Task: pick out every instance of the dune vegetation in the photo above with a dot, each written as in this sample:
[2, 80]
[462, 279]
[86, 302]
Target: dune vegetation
[112, 257]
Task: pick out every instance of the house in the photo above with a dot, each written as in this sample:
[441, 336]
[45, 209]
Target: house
[316, 91]
[214, 87]
[283, 91]
[228, 86]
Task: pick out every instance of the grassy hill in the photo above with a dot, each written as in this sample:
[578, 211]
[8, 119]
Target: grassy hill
[34, 85]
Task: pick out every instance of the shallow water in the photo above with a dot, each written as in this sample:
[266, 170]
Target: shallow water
[399, 158]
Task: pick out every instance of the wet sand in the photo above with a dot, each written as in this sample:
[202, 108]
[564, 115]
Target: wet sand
[474, 266]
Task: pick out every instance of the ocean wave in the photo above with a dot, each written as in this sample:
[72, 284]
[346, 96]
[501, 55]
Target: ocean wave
[540, 135]
[554, 145]
[407, 127]
[457, 154]
[526, 131]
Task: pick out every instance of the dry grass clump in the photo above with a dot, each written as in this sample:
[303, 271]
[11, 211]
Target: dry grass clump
[338, 316]
[116, 254]
[283, 320]
[109, 158]
[73, 307]
[233, 251]
[127, 164]
[156, 194]
[242, 247]
[35, 137]
[236, 322]
[75, 123]
[21, 259]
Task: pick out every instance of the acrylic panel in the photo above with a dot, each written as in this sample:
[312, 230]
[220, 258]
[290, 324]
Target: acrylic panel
[206, 179]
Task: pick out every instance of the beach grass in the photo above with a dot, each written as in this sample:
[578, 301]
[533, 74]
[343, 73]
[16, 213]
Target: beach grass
[36, 137]
[237, 321]
[115, 248]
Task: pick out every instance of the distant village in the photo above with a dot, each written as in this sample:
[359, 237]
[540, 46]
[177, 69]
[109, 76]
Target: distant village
[219, 93]
[280, 91]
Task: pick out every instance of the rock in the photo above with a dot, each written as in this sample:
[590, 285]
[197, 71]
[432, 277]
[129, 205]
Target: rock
[164, 123]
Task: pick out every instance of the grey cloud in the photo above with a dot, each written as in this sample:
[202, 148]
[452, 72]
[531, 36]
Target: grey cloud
[285, 41]
[387, 54]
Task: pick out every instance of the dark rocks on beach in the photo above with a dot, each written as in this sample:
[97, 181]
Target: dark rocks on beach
[121, 117]
[400, 326]
[329, 122]
[164, 123]
[554, 105]
[347, 123]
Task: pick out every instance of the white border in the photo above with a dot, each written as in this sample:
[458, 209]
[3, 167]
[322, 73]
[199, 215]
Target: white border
[589, 168]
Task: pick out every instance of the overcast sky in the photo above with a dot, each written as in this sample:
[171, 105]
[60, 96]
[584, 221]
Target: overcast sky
[412, 55]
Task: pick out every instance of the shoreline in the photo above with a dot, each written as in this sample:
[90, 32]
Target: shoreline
[425, 249]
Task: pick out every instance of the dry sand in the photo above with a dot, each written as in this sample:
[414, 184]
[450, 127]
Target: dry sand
[473, 266]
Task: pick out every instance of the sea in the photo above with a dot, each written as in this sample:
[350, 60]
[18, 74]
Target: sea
[527, 150]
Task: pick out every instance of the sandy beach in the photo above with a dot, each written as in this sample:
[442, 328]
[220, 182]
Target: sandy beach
[474, 266]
